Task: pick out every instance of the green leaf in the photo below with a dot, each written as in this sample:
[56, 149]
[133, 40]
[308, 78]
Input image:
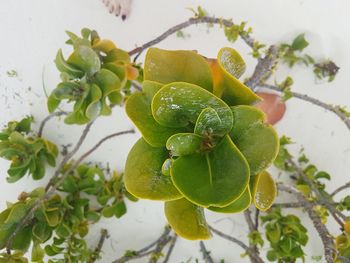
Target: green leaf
[52, 217]
[138, 108]
[107, 81]
[63, 66]
[177, 66]
[272, 255]
[184, 143]
[66, 90]
[209, 124]
[94, 104]
[239, 205]
[187, 219]
[120, 209]
[42, 232]
[219, 177]
[143, 175]
[299, 43]
[178, 104]
[226, 70]
[22, 239]
[85, 59]
[257, 141]
[63, 231]
[38, 253]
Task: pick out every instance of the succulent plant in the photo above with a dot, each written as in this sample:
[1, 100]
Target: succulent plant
[93, 77]
[202, 145]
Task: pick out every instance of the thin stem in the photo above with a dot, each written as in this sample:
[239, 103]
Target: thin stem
[341, 188]
[251, 226]
[144, 251]
[323, 232]
[69, 155]
[335, 109]
[49, 117]
[206, 254]
[192, 21]
[171, 248]
[104, 235]
[320, 198]
[250, 251]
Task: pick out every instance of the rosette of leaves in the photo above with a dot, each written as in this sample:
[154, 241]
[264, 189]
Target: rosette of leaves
[287, 236]
[202, 145]
[93, 77]
[28, 154]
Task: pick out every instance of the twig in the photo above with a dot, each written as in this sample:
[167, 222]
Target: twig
[298, 205]
[335, 109]
[144, 251]
[248, 250]
[192, 21]
[256, 225]
[136, 85]
[263, 69]
[251, 226]
[339, 189]
[320, 198]
[171, 248]
[206, 254]
[68, 156]
[97, 251]
[27, 218]
[325, 236]
[157, 253]
[49, 117]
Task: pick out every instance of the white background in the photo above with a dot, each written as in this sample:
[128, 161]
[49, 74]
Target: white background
[33, 30]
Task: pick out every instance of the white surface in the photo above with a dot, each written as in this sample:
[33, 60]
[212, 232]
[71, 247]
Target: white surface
[33, 30]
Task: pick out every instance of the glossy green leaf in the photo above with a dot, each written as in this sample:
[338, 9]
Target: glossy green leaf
[66, 90]
[166, 66]
[166, 166]
[239, 205]
[209, 123]
[143, 176]
[38, 253]
[117, 55]
[216, 178]
[138, 108]
[257, 141]
[187, 219]
[85, 59]
[184, 143]
[178, 104]
[226, 70]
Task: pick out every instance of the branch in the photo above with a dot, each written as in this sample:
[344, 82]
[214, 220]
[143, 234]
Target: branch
[263, 69]
[248, 250]
[51, 190]
[251, 226]
[325, 236]
[335, 109]
[97, 251]
[171, 248]
[144, 251]
[206, 254]
[192, 21]
[320, 198]
[341, 188]
[49, 117]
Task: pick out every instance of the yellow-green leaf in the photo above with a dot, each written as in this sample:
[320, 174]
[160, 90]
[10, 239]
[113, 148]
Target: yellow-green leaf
[143, 173]
[226, 70]
[166, 66]
[187, 219]
[239, 205]
[264, 191]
